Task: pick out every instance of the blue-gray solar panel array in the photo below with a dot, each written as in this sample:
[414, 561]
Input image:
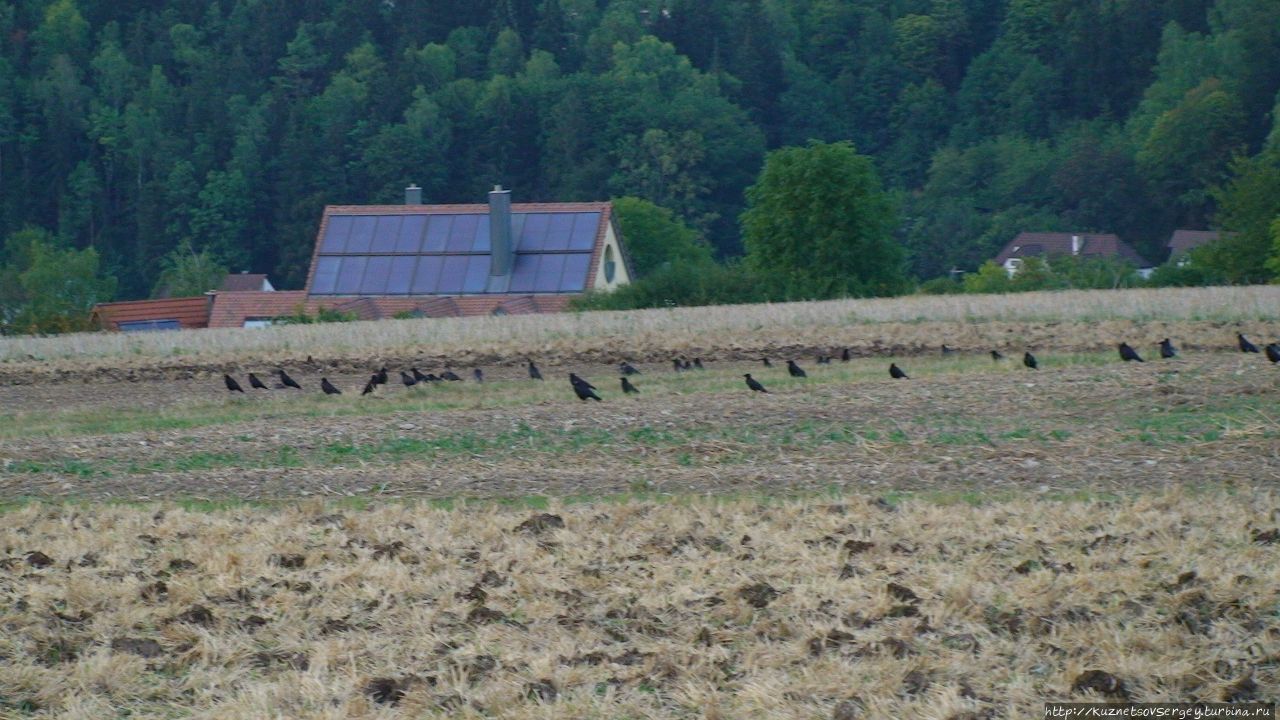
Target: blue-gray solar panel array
[450, 254]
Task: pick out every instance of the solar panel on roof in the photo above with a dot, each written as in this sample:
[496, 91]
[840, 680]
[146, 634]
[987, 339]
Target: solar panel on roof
[385, 232]
[375, 275]
[326, 275]
[362, 227]
[400, 279]
[335, 235]
[435, 254]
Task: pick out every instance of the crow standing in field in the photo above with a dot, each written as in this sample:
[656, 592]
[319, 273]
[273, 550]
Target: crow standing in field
[369, 387]
[1245, 345]
[407, 379]
[478, 375]
[288, 381]
[896, 372]
[1167, 350]
[1128, 354]
[254, 382]
[946, 350]
[1273, 352]
[627, 368]
[1029, 360]
[417, 375]
[628, 388]
[533, 371]
[996, 356]
[232, 385]
[677, 365]
[328, 387]
[697, 363]
[450, 375]
[844, 355]
[766, 362]
[583, 389]
[795, 370]
[382, 375]
[754, 384]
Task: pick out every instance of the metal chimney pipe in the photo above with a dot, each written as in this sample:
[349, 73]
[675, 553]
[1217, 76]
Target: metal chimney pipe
[502, 251]
[413, 195]
[1076, 244]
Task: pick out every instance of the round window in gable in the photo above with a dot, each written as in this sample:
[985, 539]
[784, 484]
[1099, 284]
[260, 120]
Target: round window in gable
[610, 266]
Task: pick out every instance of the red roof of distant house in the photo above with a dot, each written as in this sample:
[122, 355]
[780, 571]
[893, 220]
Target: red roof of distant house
[1183, 240]
[245, 282]
[1033, 244]
[188, 312]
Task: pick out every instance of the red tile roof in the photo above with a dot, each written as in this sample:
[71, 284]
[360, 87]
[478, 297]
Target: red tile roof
[243, 282]
[1183, 240]
[190, 312]
[233, 308]
[1032, 244]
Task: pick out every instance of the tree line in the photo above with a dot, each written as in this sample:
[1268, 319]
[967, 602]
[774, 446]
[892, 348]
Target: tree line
[151, 145]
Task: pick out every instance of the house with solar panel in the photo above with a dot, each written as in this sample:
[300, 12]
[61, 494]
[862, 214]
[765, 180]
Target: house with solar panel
[380, 261]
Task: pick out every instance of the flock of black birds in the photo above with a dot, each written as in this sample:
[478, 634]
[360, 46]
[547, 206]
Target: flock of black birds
[584, 390]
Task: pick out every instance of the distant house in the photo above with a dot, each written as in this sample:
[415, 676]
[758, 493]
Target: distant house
[148, 315]
[246, 282]
[1050, 244]
[380, 261]
[1182, 241]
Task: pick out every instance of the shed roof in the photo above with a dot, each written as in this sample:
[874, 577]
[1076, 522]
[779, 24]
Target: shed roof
[1183, 240]
[190, 312]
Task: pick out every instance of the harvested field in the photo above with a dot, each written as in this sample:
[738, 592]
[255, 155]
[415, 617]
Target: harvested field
[965, 544]
[795, 609]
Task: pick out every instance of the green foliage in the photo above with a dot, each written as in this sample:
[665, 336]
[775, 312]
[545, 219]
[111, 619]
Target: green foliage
[819, 222]
[49, 288]
[1247, 207]
[188, 273]
[1059, 272]
[300, 316]
[940, 286]
[655, 237]
[684, 285]
[132, 129]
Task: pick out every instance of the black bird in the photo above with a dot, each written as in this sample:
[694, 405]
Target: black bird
[844, 355]
[896, 373]
[417, 375]
[232, 385]
[382, 375]
[533, 371]
[1273, 352]
[450, 376]
[478, 374]
[628, 388]
[946, 350]
[256, 383]
[996, 356]
[1245, 345]
[1167, 350]
[754, 384]
[795, 370]
[766, 362]
[1029, 360]
[431, 377]
[1128, 354]
[628, 369]
[407, 379]
[288, 381]
[583, 389]
[368, 387]
[697, 363]
[328, 387]
[688, 364]
[676, 365]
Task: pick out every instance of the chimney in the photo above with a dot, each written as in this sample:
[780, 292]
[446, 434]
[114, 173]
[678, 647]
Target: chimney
[502, 252]
[1076, 245]
[413, 195]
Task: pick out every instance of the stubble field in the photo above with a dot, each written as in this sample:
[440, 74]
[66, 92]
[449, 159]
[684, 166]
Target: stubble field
[966, 544]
